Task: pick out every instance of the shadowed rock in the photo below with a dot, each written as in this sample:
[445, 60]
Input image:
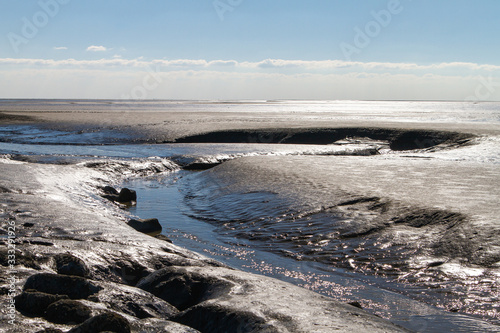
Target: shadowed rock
[129, 271]
[67, 312]
[181, 288]
[146, 226]
[134, 302]
[68, 264]
[212, 318]
[50, 330]
[126, 195]
[163, 238]
[74, 287]
[33, 303]
[109, 190]
[356, 304]
[105, 322]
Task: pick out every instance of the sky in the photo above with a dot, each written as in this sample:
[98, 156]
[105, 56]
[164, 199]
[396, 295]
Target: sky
[250, 49]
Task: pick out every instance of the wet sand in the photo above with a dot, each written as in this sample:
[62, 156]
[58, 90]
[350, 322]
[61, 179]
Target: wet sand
[179, 290]
[209, 295]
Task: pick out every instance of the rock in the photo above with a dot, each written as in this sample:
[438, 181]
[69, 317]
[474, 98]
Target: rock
[161, 325]
[109, 190]
[67, 312]
[134, 302]
[127, 195]
[181, 288]
[33, 303]
[213, 318]
[67, 264]
[163, 238]
[356, 304]
[50, 330]
[75, 287]
[147, 226]
[111, 197]
[129, 271]
[108, 321]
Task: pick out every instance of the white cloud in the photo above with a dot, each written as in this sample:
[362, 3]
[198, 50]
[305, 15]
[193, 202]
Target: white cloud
[94, 48]
[60, 48]
[210, 84]
[230, 79]
[299, 66]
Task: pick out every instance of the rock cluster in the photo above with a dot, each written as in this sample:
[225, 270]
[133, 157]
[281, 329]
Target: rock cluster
[124, 196]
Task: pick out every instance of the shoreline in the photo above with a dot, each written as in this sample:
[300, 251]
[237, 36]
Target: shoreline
[111, 251]
[116, 257]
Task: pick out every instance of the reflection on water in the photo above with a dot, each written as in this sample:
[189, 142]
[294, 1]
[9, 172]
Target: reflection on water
[246, 233]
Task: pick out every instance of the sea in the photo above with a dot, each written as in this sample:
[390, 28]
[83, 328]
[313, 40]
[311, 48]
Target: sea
[311, 215]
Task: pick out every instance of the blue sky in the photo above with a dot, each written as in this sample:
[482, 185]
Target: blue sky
[255, 49]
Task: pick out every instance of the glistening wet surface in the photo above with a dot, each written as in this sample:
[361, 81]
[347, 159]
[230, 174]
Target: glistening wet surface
[165, 198]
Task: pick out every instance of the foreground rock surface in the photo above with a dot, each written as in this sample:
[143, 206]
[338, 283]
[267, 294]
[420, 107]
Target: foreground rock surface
[107, 260]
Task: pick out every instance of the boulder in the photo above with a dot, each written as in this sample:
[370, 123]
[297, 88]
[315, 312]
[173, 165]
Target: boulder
[183, 289]
[108, 321]
[67, 264]
[127, 195]
[67, 312]
[34, 303]
[75, 287]
[147, 226]
[214, 318]
[109, 190]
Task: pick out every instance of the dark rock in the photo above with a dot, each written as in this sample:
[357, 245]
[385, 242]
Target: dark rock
[130, 271]
[68, 264]
[127, 195]
[75, 287]
[34, 303]
[50, 330]
[28, 225]
[181, 288]
[108, 321]
[199, 166]
[135, 302]
[356, 304]
[67, 312]
[111, 197]
[109, 190]
[39, 242]
[213, 318]
[146, 226]
[163, 238]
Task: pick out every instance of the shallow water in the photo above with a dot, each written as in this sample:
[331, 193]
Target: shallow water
[165, 197]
